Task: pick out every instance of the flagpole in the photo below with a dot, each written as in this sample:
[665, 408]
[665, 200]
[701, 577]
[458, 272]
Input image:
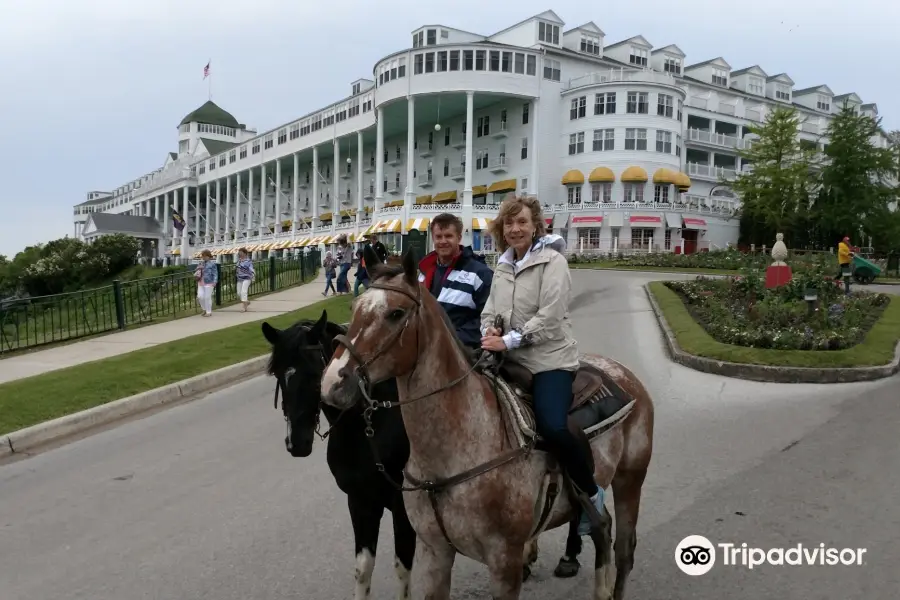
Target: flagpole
[209, 85]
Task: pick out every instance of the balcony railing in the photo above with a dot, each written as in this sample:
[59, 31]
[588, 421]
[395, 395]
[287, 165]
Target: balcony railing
[620, 74]
[711, 171]
[457, 173]
[435, 208]
[718, 139]
[686, 203]
[425, 180]
[498, 164]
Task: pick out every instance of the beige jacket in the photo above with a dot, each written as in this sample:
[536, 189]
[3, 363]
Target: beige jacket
[533, 298]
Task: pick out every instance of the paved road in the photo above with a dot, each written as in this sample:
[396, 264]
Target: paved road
[202, 501]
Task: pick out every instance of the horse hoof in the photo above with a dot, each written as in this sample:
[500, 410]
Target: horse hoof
[567, 568]
[526, 573]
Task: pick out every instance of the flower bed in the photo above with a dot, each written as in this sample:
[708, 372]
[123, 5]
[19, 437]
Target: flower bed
[742, 312]
[731, 259]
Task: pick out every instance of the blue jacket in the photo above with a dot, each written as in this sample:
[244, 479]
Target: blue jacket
[209, 273]
[461, 289]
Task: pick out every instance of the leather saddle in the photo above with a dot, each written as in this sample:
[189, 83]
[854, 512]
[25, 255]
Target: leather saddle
[589, 382]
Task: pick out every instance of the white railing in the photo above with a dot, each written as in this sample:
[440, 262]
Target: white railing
[425, 179]
[752, 115]
[711, 171]
[698, 102]
[619, 74]
[498, 163]
[726, 109]
[718, 139]
[435, 208]
[810, 127]
[384, 210]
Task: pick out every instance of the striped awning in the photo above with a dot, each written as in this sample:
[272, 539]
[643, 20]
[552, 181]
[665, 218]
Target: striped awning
[176, 252]
[301, 243]
[481, 223]
[370, 229]
[390, 226]
[421, 224]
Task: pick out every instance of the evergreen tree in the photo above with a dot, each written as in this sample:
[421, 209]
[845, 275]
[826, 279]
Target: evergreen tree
[858, 182]
[775, 194]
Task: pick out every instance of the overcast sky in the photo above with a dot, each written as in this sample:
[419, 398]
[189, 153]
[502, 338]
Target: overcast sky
[91, 91]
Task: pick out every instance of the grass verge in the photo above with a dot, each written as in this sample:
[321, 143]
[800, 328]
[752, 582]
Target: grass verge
[26, 402]
[875, 350]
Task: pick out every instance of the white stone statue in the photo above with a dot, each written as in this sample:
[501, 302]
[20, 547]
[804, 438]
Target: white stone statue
[779, 250]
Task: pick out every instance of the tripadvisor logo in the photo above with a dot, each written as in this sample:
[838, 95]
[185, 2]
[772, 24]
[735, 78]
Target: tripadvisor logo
[696, 555]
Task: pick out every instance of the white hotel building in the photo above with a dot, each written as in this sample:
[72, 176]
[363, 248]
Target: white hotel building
[627, 145]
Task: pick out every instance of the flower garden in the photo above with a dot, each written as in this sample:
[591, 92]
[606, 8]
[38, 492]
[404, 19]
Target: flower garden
[740, 310]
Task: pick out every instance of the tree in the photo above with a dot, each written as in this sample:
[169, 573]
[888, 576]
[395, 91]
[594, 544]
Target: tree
[857, 181]
[775, 194]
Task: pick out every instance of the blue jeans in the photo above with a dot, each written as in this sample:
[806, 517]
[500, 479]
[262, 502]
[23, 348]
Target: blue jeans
[342, 284]
[552, 399]
[360, 281]
[329, 284]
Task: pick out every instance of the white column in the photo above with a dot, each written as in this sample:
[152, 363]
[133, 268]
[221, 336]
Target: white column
[410, 161]
[277, 198]
[534, 149]
[263, 203]
[206, 228]
[379, 161]
[467, 190]
[196, 213]
[184, 237]
[295, 196]
[216, 231]
[336, 185]
[315, 188]
[167, 227]
[225, 237]
[238, 192]
[359, 178]
[250, 203]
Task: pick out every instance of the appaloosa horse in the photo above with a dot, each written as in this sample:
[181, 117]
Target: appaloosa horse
[472, 491]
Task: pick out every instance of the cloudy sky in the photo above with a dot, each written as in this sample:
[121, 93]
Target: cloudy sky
[91, 91]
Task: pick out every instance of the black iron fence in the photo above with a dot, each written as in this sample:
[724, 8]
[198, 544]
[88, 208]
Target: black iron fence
[34, 322]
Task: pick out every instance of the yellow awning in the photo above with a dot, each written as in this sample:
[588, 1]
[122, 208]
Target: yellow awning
[325, 217]
[389, 226]
[602, 175]
[634, 175]
[301, 243]
[665, 176]
[682, 181]
[369, 229]
[394, 203]
[350, 212]
[176, 252]
[573, 177]
[506, 185]
[481, 223]
[423, 199]
[421, 224]
[444, 197]
[479, 190]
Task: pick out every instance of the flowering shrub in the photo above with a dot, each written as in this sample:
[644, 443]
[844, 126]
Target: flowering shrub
[730, 259]
[741, 311]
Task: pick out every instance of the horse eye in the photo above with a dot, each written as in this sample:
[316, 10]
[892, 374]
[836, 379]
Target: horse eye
[395, 315]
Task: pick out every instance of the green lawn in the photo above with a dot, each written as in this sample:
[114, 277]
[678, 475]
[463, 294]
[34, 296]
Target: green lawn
[25, 402]
[877, 348]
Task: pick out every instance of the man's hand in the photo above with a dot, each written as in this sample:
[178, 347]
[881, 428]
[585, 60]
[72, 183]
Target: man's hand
[492, 332]
[493, 343]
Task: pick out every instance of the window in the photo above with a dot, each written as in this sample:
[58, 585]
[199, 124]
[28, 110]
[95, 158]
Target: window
[418, 62]
[551, 69]
[638, 56]
[605, 104]
[578, 107]
[782, 92]
[446, 167]
[244, 152]
[677, 145]
[454, 60]
[418, 39]
[255, 148]
[232, 156]
[484, 126]
[481, 160]
[431, 37]
[604, 139]
[442, 60]
[282, 136]
[295, 131]
[661, 193]
[635, 139]
[531, 65]
[524, 148]
[495, 60]
[590, 44]
[548, 33]
[519, 66]
[823, 102]
[468, 60]
[222, 161]
[664, 141]
[480, 60]
[634, 192]
[641, 238]
[269, 141]
[525, 108]
[576, 143]
[672, 65]
[664, 105]
[355, 89]
[680, 108]
[601, 192]
[506, 62]
[755, 86]
[429, 62]
[637, 103]
[574, 194]
[719, 77]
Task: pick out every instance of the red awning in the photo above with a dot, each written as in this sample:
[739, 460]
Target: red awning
[597, 219]
[549, 222]
[646, 219]
[694, 223]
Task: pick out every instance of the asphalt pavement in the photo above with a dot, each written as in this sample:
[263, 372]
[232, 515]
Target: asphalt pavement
[202, 501]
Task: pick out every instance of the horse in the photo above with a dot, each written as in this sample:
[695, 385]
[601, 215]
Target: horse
[473, 491]
[299, 355]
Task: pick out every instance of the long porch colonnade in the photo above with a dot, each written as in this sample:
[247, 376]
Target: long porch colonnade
[242, 214]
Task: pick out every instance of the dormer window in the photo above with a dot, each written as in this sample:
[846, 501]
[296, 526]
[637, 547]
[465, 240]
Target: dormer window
[719, 77]
[356, 88]
[755, 85]
[823, 103]
[548, 33]
[431, 37]
[782, 92]
[638, 56]
[673, 66]
[590, 44]
[418, 39]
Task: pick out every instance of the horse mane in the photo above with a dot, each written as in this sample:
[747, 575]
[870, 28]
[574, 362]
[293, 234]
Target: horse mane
[293, 335]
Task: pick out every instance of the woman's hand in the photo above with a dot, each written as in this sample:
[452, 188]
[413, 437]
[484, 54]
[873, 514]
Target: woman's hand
[492, 332]
[493, 343]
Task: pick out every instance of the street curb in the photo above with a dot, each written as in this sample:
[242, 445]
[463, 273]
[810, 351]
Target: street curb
[768, 373]
[26, 439]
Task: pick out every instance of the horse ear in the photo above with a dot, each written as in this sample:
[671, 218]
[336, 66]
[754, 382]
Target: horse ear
[410, 266]
[271, 334]
[371, 257]
[319, 327]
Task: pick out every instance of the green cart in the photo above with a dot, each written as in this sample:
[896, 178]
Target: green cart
[864, 272]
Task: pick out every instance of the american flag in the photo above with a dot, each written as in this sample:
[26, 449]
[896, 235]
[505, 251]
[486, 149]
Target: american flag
[206, 71]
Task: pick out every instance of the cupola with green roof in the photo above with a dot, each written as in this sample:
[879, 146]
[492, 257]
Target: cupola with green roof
[211, 113]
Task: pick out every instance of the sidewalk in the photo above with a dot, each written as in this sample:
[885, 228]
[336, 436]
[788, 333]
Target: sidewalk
[112, 344]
